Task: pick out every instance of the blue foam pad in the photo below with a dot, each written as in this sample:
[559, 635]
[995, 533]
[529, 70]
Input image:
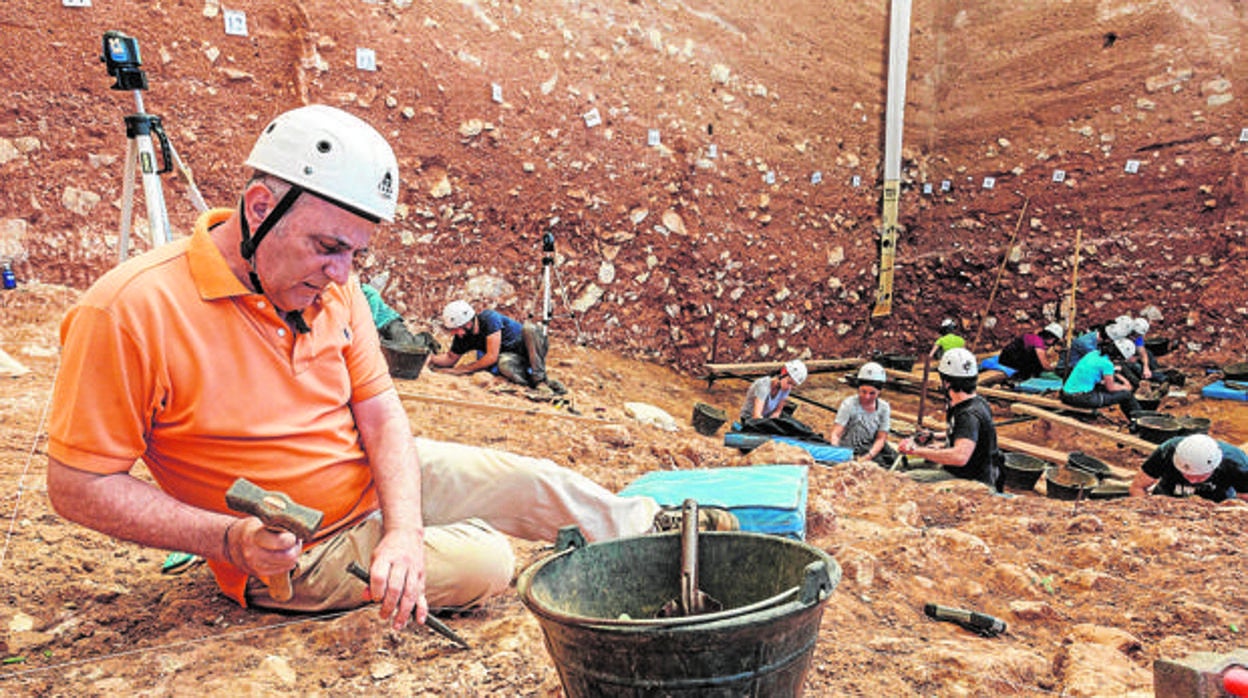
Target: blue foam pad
[1040, 384]
[764, 498]
[821, 452]
[1219, 390]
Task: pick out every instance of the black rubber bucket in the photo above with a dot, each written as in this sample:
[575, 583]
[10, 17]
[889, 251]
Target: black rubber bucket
[403, 360]
[1159, 346]
[707, 419]
[1158, 429]
[1194, 425]
[596, 605]
[899, 362]
[1068, 484]
[1022, 471]
[1082, 461]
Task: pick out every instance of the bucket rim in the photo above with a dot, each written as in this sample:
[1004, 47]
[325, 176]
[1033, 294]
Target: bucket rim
[824, 566]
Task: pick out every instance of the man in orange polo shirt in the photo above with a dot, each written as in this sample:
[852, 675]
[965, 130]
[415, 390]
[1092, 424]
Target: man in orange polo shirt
[235, 353]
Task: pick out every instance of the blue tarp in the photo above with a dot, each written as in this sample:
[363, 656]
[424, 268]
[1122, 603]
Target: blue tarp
[764, 498]
[821, 452]
[1221, 391]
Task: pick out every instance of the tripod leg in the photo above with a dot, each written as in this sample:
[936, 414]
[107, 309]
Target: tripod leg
[127, 201]
[153, 194]
[192, 191]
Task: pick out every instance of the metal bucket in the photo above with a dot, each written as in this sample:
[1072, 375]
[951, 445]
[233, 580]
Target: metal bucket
[404, 360]
[707, 419]
[1066, 483]
[1079, 460]
[596, 605]
[1158, 429]
[1022, 471]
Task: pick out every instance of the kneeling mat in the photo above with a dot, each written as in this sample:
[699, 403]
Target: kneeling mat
[1221, 391]
[764, 498]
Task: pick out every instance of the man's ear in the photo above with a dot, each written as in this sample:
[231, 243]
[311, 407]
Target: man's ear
[258, 201]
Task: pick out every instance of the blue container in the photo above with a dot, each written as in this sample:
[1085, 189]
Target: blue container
[10, 281]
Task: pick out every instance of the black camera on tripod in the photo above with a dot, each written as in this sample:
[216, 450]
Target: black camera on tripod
[121, 56]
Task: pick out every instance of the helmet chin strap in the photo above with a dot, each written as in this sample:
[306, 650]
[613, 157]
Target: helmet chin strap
[248, 247]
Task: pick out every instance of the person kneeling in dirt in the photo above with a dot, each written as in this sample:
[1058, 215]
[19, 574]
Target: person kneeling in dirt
[503, 346]
[238, 354]
[1027, 356]
[1095, 382]
[863, 420]
[1196, 465]
[764, 410]
[970, 451]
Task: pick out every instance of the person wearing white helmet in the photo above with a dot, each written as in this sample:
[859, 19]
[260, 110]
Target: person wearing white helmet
[1096, 380]
[248, 350]
[970, 443]
[1197, 465]
[502, 346]
[1026, 356]
[766, 396]
[1088, 342]
[949, 339]
[863, 419]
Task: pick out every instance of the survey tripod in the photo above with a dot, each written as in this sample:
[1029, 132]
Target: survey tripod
[549, 269]
[121, 55]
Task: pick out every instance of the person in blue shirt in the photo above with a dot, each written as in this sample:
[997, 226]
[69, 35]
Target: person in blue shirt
[1094, 382]
[1194, 466]
[503, 346]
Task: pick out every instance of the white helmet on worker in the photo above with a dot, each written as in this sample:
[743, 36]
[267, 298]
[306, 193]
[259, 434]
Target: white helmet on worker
[958, 362]
[1054, 329]
[1118, 329]
[948, 325]
[796, 370]
[456, 314]
[1139, 326]
[1197, 455]
[333, 154]
[872, 372]
[1125, 347]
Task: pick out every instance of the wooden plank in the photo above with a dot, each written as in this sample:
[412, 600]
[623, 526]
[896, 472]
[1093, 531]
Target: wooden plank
[1127, 440]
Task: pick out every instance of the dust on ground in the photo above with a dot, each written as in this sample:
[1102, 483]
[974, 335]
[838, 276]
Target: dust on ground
[1092, 592]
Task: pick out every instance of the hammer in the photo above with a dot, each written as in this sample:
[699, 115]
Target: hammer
[278, 513]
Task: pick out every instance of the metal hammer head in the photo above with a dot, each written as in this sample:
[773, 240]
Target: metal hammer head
[275, 509]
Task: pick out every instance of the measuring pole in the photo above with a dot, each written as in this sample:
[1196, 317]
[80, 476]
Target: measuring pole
[898, 60]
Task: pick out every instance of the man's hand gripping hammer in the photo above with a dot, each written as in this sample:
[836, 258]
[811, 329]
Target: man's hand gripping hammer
[278, 513]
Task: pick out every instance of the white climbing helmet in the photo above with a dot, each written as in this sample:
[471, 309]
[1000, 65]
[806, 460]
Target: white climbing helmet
[1139, 326]
[1197, 455]
[1117, 329]
[796, 370]
[1125, 347]
[457, 314]
[873, 372]
[958, 362]
[332, 154]
[1054, 329]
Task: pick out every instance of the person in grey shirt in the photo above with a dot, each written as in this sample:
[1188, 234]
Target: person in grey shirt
[863, 420]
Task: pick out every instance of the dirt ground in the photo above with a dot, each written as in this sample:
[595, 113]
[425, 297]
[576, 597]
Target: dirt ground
[670, 256]
[1092, 592]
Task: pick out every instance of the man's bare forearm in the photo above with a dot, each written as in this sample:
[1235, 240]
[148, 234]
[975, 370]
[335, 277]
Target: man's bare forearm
[130, 509]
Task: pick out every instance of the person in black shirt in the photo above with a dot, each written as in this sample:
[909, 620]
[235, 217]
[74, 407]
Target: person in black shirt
[970, 450]
[1196, 465]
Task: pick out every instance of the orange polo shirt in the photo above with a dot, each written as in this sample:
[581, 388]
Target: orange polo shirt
[169, 358]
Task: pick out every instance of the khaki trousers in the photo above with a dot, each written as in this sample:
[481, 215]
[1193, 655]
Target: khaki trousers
[470, 497]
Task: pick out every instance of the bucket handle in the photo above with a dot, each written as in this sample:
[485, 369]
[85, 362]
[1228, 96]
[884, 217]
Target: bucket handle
[816, 583]
[568, 538]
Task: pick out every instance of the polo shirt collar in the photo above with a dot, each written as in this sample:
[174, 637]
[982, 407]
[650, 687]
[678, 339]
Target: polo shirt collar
[212, 275]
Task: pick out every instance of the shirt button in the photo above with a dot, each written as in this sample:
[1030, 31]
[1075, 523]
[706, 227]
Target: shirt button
[281, 332]
[260, 305]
